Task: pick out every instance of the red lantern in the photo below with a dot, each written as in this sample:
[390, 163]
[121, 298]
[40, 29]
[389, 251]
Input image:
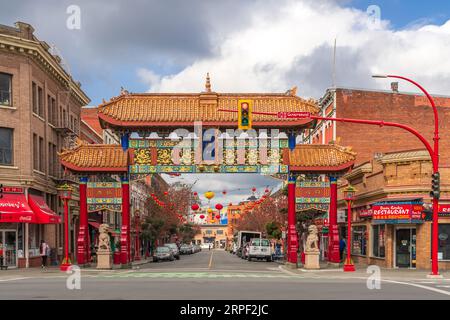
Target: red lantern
[224, 192]
[253, 189]
[266, 191]
[202, 217]
[218, 216]
[166, 193]
[219, 206]
[195, 193]
[152, 195]
[230, 204]
[195, 207]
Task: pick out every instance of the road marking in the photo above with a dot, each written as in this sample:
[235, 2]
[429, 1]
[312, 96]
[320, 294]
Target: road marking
[14, 279]
[211, 259]
[419, 286]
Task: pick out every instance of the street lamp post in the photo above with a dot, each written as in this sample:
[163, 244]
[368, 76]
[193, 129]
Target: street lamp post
[65, 193]
[435, 161]
[349, 196]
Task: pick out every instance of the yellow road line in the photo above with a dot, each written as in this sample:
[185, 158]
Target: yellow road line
[211, 259]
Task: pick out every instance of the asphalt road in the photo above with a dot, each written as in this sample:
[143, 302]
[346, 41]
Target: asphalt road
[212, 275]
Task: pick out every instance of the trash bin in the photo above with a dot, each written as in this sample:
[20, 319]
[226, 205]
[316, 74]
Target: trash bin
[116, 259]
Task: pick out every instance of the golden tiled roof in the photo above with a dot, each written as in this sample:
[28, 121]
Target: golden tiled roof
[320, 156]
[95, 157]
[166, 109]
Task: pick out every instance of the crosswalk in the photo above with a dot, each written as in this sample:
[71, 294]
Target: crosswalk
[196, 275]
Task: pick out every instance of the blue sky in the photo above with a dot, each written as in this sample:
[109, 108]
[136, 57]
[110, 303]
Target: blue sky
[246, 46]
[118, 40]
[404, 13]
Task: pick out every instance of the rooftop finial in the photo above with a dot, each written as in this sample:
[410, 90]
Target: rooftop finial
[208, 83]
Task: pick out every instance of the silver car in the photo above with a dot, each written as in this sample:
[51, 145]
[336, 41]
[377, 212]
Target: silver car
[163, 253]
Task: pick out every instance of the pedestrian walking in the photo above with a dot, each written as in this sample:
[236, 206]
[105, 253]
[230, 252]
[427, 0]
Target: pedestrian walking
[1, 254]
[342, 246]
[44, 249]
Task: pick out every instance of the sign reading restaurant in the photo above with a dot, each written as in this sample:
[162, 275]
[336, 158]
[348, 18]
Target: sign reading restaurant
[397, 212]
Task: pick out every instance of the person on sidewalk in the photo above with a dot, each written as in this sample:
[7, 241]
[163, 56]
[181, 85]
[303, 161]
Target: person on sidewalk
[342, 246]
[43, 251]
[1, 254]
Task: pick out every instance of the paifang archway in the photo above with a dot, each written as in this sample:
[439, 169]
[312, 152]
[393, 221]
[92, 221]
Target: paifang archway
[206, 142]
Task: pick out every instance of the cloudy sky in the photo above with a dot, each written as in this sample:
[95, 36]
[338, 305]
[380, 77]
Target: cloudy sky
[246, 45]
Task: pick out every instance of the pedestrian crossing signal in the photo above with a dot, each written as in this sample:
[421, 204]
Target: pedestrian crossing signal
[245, 114]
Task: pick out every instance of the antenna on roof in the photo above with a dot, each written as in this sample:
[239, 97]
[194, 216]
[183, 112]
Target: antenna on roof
[334, 65]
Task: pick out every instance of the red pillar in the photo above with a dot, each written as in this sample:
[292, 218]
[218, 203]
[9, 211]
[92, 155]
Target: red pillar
[292, 231]
[125, 230]
[333, 232]
[83, 250]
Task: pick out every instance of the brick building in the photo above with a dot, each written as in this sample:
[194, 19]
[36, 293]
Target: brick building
[40, 108]
[387, 185]
[409, 109]
[385, 175]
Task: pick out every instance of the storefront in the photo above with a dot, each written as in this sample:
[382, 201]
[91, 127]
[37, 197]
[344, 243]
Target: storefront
[386, 234]
[22, 219]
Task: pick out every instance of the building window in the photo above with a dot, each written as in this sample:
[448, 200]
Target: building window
[35, 153]
[5, 89]
[219, 231]
[6, 146]
[51, 110]
[378, 241]
[34, 97]
[444, 242]
[359, 240]
[208, 231]
[41, 155]
[40, 102]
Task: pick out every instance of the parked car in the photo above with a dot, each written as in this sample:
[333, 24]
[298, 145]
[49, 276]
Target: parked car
[163, 253]
[187, 249]
[197, 248]
[259, 249]
[174, 248]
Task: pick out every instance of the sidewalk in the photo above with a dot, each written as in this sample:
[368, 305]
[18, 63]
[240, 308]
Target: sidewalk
[55, 271]
[363, 271]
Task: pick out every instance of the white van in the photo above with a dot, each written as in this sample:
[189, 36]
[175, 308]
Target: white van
[260, 249]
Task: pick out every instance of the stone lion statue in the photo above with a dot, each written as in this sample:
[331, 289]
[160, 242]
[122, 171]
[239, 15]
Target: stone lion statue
[312, 241]
[103, 238]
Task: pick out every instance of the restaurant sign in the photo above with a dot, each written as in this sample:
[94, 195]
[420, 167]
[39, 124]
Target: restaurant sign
[444, 210]
[397, 212]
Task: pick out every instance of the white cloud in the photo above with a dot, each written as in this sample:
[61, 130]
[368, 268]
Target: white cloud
[292, 45]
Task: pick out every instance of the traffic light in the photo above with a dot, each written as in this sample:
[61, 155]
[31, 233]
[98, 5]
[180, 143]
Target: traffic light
[427, 215]
[435, 185]
[1, 191]
[245, 114]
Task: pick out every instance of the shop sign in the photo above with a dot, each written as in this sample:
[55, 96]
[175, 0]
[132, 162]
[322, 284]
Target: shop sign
[444, 210]
[365, 213]
[13, 190]
[312, 192]
[341, 216]
[397, 212]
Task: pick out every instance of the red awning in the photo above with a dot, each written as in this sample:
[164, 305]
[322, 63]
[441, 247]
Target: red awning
[14, 208]
[96, 225]
[44, 214]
